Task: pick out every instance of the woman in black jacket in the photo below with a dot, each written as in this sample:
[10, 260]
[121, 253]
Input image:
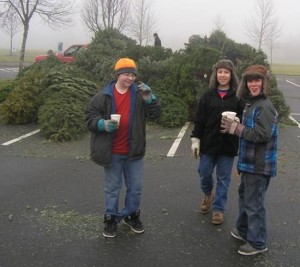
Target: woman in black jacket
[216, 150]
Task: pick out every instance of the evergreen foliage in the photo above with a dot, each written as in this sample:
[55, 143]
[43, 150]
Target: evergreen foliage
[155, 53]
[5, 88]
[52, 94]
[105, 49]
[175, 109]
[55, 95]
[189, 75]
[64, 100]
[279, 102]
[153, 72]
[21, 105]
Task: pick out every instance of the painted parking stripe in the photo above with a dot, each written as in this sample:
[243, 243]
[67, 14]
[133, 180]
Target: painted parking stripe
[6, 70]
[294, 120]
[293, 83]
[13, 69]
[177, 141]
[20, 138]
[10, 69]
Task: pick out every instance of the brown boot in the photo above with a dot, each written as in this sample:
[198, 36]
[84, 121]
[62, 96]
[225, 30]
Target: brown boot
[217, 217]
[206, 203]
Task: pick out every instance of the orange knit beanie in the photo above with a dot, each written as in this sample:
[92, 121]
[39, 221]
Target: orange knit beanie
[125, 65]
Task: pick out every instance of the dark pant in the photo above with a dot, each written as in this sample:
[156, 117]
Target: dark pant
[251, 222]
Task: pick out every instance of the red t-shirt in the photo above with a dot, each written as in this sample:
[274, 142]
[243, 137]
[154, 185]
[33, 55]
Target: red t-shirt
[120, 143]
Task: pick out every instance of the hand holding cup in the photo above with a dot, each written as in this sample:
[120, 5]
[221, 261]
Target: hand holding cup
[115, 117]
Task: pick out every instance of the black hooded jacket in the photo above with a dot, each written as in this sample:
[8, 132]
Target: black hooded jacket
[208, 121]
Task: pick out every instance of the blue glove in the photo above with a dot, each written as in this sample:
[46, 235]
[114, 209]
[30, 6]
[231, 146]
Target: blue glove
[107, 125]
[146, 92]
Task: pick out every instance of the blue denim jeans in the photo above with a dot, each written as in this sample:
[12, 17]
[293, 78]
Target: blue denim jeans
[132, 172]
[251, 222]
[223, 165]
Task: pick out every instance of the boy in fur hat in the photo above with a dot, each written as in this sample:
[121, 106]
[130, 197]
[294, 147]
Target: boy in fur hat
[120, 146]
[216, 150]
[257, 157]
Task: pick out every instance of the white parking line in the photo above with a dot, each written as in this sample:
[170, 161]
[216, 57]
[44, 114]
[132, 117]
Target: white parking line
[14, 69]
[293, 83]
[20, 138]
[10, 69]
[177, 141]
[294, 120]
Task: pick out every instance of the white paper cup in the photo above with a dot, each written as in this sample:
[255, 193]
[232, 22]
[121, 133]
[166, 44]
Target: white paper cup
[115, 117]
[229, 114]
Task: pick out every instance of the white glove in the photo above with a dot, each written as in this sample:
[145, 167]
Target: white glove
[232, 127]
[237, 119]
[195, 146]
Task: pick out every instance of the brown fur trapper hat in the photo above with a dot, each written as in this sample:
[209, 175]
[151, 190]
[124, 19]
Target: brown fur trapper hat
[223, 64]
[254, 72]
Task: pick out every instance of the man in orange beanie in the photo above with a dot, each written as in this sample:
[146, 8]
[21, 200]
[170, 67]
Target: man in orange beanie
[119, 146]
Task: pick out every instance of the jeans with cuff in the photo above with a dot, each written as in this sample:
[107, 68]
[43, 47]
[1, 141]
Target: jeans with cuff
[223, 165]
[132, 171]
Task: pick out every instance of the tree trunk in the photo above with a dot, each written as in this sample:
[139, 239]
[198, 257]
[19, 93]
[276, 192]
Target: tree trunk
[22, 52]
[11, 43]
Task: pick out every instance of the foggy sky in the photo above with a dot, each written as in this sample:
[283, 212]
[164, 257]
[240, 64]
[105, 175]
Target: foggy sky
[177, 20]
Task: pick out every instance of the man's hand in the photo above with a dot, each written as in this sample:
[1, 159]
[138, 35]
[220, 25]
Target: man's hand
[231, 126]
[108, 125]
[195, 146]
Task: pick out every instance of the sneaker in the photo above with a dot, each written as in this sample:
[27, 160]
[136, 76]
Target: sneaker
[206, 203]
[217, 217]
[248, 250]
[134, 223]
[235, 233]
[110, 226]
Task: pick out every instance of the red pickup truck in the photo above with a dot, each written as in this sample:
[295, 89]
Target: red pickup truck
[67, 56]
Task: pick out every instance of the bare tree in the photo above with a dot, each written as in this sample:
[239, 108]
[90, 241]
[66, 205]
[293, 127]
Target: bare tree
[274, 35]
[54, 13]
[142, 23]
[103, 14]
[263, 24]
[11, 27]
[219, 22]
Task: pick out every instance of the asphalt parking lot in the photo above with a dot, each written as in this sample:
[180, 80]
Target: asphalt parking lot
[51, 207]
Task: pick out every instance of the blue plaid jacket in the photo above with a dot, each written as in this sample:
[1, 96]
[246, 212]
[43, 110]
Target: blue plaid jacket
[258, 144]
